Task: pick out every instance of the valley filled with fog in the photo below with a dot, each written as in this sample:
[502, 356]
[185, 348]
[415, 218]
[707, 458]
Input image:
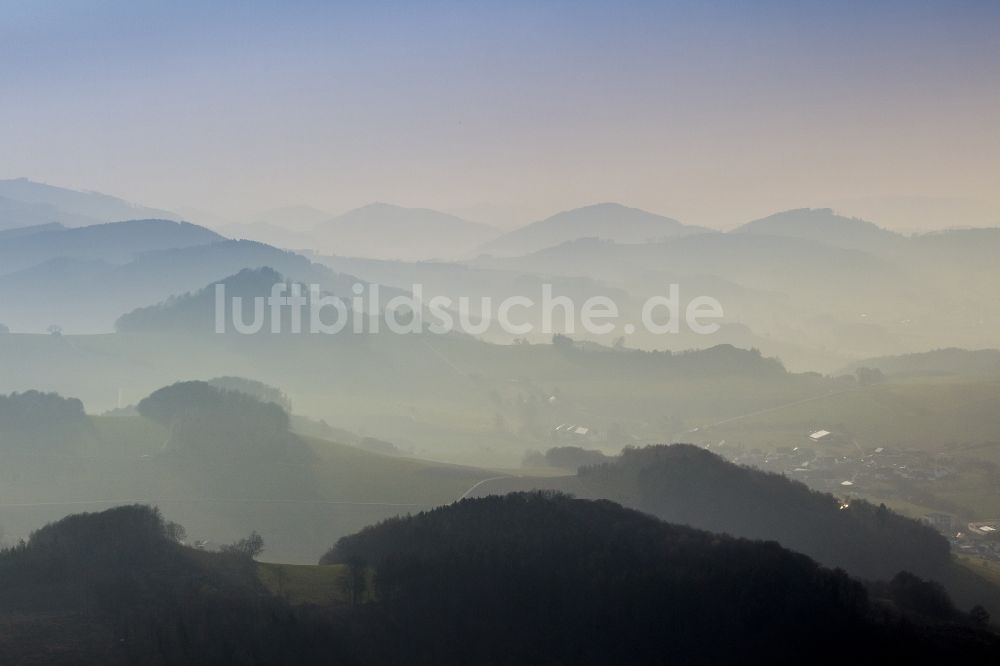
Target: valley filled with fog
[160, 362]
[499, 333]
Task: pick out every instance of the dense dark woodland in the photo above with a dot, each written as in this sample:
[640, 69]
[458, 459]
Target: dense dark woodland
[116, 588]
[538, 578]
[526, 578]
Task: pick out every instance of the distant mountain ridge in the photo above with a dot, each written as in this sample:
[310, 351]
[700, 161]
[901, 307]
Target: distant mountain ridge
[385, 231]
[298, 218]
[984, 363]
[25, 202]
[14, 232]
[19, 214]
[823, 225]
[606, 221]
[288, 227]
[195, 311]
[87, 293]
[114, 242]
[271, 234]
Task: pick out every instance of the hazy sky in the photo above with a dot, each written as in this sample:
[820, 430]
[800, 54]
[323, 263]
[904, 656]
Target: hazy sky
[711, 112]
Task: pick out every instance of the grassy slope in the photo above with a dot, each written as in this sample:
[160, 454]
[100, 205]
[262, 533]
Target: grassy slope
[305, 583]
[974, 581]
[989, 571]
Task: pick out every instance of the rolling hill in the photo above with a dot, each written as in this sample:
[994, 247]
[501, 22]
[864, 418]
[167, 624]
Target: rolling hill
[439, 396]
[607, 221]
[87, 295]
[117, 242]
[689, 485]
[7, 234]
[542, 578]
[272, 234]
[823, 225]
[808, 297]
[384, 231]
[221, 463]
[117, 588]
[768, 263]
[24, 202]
[288, 227]
[19, 214]
[195, 312]
[528, 578]
[980, 363]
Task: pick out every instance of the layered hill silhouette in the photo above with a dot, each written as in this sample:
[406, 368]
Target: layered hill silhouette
[225, 456]
[195, 311]
[384, 231]
[544, 578]
[979, 363]
[691, 486]
[264, 232]
[288, 227]
[809, 294]
[818, 289]
[16, 214]
[607, 221]
[24, 202]
[117, 242]
[527, 578]
[757, 262]
[823, 225]
[88, 295]
[224, 462]
[118, 588]
[7, 234]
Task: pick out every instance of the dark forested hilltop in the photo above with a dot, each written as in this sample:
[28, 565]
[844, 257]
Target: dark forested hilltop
[543, 578]
[688, 485]
[527, 578]
[117, 588]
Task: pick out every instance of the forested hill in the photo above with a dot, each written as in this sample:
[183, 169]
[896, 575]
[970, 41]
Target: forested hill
[688, 485]
[541, 578]
[41, 423]
[117, 588]
[521, 579]
[205, 421]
